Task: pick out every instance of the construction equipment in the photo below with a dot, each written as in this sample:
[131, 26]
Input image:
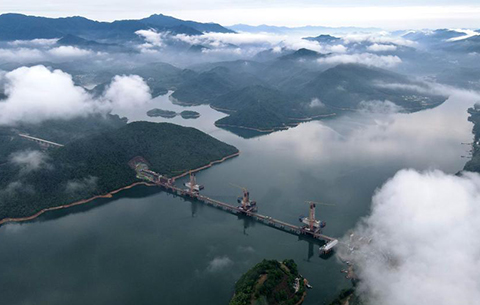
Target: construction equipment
[313, 225]
[193, 187]
[247, 205]
[247, 208]
[328, 247]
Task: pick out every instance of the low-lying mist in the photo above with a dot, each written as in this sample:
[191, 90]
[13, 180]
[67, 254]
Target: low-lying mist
[420, 242]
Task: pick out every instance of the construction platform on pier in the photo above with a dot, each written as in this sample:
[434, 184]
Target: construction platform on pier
[267, 220]
[247, 207]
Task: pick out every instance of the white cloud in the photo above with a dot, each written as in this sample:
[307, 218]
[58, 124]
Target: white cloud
[88, 183]
[16, 187]
[378, 38]
[69, 51]
[396, 86]
[337, 48]
[368, 59]
[426, 88]
[381, 47]
[151, 36]
[34, 42]
[21, 54]
[383, 107]
[424, 241]
[230, 52]
[238, 39]
[398, 138]
[127, 91]
[41, 53]
[277, 49]
[468, 34]
[219, 263]
[30, 160]
[256, 42]
[37, 94]
[152, 40]
[316, 103]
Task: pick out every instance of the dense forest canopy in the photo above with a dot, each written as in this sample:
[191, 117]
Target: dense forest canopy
[270, 282]
[283, 92]
[55, 130]
[98, 164]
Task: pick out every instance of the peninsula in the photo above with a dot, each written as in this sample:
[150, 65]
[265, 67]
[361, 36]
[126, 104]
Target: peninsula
[97, 165]
[271, 282]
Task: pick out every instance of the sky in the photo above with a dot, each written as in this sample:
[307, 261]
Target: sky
[387, 14]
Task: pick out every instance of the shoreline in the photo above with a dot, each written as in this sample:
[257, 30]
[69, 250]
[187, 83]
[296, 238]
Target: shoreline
[250, 128]
[109, 194]
[180, 103]
[290, 125]
[312, 118]
[208, 165]
[223, 110]
[64, 206]
[295, 121]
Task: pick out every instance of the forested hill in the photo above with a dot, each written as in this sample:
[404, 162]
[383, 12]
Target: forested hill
[23, 27]
[284, 92]
[270, 282]
[58, 130]
[99, 164]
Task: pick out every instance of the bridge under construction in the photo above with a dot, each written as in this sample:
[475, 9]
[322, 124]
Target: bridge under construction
[247, 207]
[42, 142]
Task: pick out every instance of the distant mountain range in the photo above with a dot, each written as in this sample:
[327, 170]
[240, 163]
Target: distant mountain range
[22, 27]
[298, 30]
[302, 54]
[281, 93]
[432, 36]
[446, 39]
[324, 39]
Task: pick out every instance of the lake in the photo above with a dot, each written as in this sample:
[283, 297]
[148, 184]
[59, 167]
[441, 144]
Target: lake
[145, 246]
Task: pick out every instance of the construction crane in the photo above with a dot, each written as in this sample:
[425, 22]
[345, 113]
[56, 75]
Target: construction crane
[313, 225]
[193, 187]
[247, 205]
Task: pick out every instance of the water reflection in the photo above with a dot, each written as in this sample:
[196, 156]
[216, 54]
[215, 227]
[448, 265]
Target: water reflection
[204, 122]
[194, 208]
[245, 133]
[147, 247]
[360, 139]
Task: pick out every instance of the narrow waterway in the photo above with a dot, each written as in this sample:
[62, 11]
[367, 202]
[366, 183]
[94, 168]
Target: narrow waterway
[148, 247]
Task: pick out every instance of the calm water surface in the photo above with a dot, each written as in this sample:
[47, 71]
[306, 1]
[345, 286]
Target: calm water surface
[147, 247]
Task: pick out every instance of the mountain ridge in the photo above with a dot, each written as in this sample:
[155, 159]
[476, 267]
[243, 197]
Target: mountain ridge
[26, 27]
